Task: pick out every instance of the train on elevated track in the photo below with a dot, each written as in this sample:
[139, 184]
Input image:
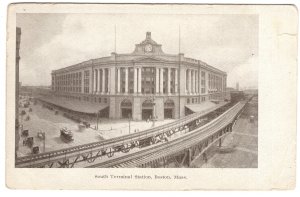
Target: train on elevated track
[165, 136]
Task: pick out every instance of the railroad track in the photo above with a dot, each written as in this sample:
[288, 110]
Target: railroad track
[161, 150]
[105, 144]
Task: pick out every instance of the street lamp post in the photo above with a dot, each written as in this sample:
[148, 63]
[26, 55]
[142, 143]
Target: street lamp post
[153, 111]
[44, 137]
[97, 122]
[98, 112]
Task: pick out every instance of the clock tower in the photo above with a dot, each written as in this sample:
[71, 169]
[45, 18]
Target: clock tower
[148, 46]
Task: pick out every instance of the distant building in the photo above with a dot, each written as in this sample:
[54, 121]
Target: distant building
[236, 96]
[251, 91]
[141, 84]
[230, 89]
[237, 86]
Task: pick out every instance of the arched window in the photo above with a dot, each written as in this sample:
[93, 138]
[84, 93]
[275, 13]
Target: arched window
[126, 103]
[169, 103]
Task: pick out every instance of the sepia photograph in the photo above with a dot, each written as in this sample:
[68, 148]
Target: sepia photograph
[161, 92]
[98, 90]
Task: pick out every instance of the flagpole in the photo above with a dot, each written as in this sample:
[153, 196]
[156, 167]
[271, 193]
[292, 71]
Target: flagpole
[179, 37]
[178, 85]
[115, 38]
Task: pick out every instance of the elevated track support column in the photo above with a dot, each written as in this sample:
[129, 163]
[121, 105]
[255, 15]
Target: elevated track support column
[164, 162]
[205, 157]
[189, 158]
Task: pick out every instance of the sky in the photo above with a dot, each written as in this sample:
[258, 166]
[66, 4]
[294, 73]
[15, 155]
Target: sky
[53, 41]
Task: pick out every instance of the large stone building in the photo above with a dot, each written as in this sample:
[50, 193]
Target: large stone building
[143, 84]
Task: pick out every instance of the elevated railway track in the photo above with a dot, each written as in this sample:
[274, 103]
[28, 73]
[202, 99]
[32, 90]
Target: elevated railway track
[202, 137]
[88, 153]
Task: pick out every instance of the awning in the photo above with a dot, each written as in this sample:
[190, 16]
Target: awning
[201, 107]
[215, 101]
[78, 106]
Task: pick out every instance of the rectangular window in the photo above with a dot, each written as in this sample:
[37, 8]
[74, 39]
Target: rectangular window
[86, 81]
[202, 74]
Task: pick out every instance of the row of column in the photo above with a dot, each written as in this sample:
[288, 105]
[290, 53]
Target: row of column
[137, 81]
[101, 80]
[216, 82]
[159, 80]
[192, 81]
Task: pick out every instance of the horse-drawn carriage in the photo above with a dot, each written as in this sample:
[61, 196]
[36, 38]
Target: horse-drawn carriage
[66, 134]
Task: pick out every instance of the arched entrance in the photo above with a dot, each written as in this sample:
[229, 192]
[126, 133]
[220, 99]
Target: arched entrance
[147, 109]
[126, 109]
[169, 109]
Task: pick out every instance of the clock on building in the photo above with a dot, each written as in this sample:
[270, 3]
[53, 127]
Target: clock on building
[148, 48]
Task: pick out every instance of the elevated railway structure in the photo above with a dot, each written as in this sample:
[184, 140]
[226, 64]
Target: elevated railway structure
[189, 146]
[155, 139]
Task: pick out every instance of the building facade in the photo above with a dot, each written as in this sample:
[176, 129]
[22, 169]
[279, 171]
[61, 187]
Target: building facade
[18, 42]
[143, 84]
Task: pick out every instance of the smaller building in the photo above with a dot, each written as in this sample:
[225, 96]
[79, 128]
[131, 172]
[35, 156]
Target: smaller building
[18, 42]
[236, 96]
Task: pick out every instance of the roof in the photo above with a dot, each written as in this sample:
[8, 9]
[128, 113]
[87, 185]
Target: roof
[139, 54]
[201, 107]
[77, 106]
[132, 57]
[148, 39]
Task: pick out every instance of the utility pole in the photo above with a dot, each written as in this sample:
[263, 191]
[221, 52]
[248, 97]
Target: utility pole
[179, 39]
[153, 111]
[179, 62]
[97, 120]
[44, 137]
[129, 117]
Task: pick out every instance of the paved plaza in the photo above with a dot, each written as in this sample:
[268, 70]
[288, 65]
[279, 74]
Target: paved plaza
[45, 120]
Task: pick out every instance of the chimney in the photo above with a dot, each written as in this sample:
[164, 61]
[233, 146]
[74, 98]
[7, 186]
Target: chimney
[181, 56]
[113, 56]
[148, 35]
